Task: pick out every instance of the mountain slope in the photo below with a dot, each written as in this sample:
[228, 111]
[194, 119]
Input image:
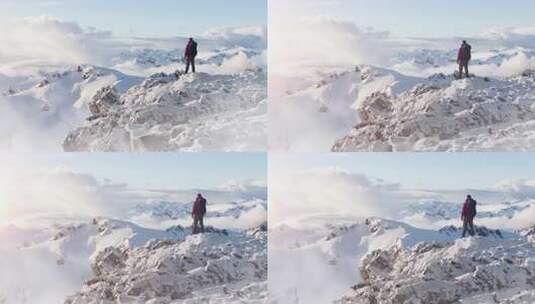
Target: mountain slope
[480, 269]
[216, 267]
[43, 103]
[40, 110]
[413, 102]
[392, 262]
[67, 252]
[179, 112]
[444, 114]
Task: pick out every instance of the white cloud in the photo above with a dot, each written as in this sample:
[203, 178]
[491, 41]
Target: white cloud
[321, 41]
[522, 188]
[47, 38]
[254, 37]
[247, 219]
[26, 193]
[332, 191]
[512, 36]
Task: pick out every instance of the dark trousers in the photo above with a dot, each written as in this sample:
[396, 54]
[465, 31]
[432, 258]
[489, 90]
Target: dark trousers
[190, 61]
[463, 65]
[198, 223]
[468, 226]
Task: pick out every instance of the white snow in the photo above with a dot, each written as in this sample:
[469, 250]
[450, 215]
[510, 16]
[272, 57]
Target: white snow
[46, 91]
[330, 230]
[51, 237]
[348, 89]
[318, 259]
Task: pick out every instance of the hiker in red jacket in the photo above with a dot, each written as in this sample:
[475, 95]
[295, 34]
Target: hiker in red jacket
[197, 213]
[463, 58]
[467, 215]
[189, 55]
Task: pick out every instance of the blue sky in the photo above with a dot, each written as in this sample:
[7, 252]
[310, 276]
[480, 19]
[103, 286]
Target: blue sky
[425, 171]
[157, 18]
[157, 170]
[423, 18]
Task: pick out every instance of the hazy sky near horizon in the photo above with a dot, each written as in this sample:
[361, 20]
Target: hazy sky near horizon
[422, 171]
[415, 18]
[164, 171]
[154, 18]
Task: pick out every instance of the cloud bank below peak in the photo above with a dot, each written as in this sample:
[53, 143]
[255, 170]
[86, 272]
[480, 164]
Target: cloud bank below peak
[47, 38]
[61, 191]
[52, 40]
[333, 191]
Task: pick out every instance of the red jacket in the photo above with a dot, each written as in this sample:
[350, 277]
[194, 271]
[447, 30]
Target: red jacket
[469, 208]
[191, 49]
[199, 206]
[465, 53]
[187, 51]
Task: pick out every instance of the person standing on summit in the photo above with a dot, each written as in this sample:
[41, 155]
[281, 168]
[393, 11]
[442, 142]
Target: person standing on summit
[189, 55]
[198, 211]
[463, 58]
[467, 215]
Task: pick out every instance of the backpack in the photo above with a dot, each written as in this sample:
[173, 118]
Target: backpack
[472, 207]
[467, 53]
[194, 49]
[203, 205]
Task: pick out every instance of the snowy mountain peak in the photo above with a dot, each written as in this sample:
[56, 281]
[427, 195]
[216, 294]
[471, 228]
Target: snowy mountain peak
[197, 108]
[439, 114]
[474, 270]
[191, 270]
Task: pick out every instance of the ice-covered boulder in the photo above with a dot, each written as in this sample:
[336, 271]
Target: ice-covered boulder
[103, 101]
[444, 115]
[189, 112]
[202, 268]
[488, 267]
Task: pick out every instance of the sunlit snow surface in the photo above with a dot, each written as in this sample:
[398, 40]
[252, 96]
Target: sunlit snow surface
[408, 100]
[49, 257]
[223, 108]
[319, 259]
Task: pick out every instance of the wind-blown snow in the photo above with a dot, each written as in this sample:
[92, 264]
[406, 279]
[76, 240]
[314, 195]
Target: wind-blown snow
[330, 225]
[62, 231]
[321, 89]
[50, 71]
[354, 252]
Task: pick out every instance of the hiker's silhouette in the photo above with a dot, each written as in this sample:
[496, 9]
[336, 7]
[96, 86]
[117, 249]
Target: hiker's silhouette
[463, 58]
[467, 215]
[197, 213]
[189, 55]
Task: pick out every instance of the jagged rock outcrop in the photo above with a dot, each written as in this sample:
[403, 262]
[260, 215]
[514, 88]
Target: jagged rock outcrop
[441, 113]
[483, 269]
[105, 99]
[213, 267]
[177, 112]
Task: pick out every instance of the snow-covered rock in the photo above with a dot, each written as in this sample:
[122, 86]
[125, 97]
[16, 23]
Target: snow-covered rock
[42, 103]
[446, 115]
[411, 103]
[69, 251]
[181, 112]
[478, 269]
[389, 261]
[214, 267]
